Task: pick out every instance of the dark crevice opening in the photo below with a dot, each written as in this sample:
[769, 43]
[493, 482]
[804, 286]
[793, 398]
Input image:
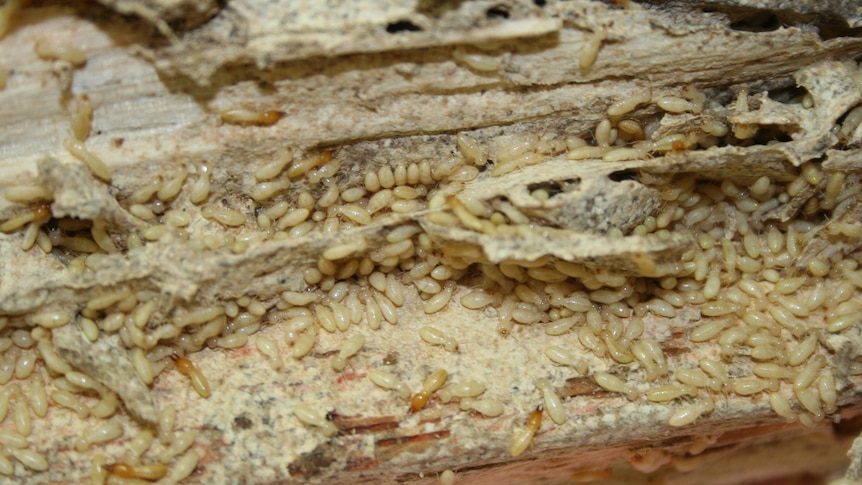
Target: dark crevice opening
[402, 26]
[827, 25]
[770, 133]
[497, 12]
[790, 94]
[621, 175]
[758, 21]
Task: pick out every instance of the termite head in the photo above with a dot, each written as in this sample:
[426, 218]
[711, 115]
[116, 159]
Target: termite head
[454, 202]
[121, 470]
[183, 364]
[535, 420]
[419, 401]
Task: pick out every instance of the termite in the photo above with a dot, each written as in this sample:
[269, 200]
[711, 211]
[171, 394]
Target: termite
[246, 116]
[199, 381]
[153, 471]
[524, 438]
[432, 383]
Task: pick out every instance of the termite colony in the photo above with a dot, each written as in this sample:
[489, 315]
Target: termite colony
[766, 315]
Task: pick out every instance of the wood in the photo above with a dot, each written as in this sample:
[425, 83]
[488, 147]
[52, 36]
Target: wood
[346, 84]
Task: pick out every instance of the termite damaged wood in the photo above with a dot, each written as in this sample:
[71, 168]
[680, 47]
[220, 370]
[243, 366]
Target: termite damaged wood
[534, 209]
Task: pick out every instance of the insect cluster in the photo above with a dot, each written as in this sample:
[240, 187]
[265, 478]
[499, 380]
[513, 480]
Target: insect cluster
[770, 270]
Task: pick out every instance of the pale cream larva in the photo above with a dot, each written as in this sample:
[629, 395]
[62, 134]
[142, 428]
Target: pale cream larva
[590, 49]
[349, 348]
[613, 383]
[271, 169]
[688, 413]
[388, 380]
[553, 404]
[490, 408]
[629, 103]
[312, 416]
[447, 477]
[562, 356]
[269, 348]
[97, 167]
[466, 389]
[435, 336]
[48, 50]
[476, 61]
[246, 116]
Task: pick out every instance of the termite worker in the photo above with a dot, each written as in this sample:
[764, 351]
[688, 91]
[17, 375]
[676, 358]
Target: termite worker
[525, 437]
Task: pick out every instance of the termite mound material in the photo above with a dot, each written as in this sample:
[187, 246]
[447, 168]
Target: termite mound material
[390, 242]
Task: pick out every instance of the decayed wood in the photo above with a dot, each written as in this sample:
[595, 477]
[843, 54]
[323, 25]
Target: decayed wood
[374, 97]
